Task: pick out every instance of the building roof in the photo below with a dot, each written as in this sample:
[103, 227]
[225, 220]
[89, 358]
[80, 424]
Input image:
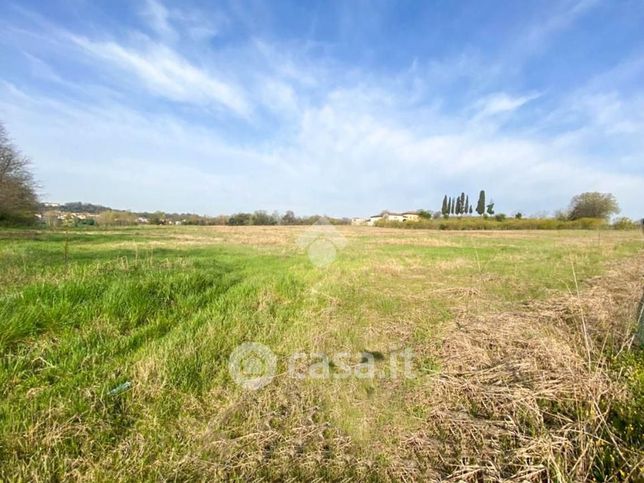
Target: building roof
[390, 213]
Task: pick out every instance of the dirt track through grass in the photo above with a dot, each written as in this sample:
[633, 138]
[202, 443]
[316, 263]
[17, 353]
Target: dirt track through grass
[502, 384]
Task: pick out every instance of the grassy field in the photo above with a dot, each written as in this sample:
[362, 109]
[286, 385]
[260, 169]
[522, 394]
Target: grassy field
[115, 347]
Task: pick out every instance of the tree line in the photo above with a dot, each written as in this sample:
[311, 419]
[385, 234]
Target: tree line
[585, 205]
[460, 205]
[75, 214]
[261, 217]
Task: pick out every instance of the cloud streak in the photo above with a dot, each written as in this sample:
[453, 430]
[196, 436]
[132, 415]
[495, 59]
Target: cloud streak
[165, 73]
[502, 103]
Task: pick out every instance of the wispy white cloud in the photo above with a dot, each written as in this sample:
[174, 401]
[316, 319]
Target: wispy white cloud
[539, 34]
[43, 70]
[166, 73]
[501, 102]
[172, 23]
[159, 18]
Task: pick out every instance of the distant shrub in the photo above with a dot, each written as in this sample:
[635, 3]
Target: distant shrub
[499, 217]
[561, 215]
[624, 223]
[588, 223]
[240, 219]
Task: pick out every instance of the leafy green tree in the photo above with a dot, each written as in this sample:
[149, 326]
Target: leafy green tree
[289, 218]
[239, 219]
[261, 217]
[593, 205]
[490, 208]
[480, 206]
[157, 218]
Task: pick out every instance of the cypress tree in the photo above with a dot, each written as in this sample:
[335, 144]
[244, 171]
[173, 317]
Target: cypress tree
[444, 207]
[480, 206]
[471, 210]
[467, 204]
[453, 206]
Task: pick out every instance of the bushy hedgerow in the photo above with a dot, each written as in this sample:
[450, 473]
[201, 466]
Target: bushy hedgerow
[480, 223]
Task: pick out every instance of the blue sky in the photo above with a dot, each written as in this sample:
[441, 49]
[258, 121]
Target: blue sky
[344, 108]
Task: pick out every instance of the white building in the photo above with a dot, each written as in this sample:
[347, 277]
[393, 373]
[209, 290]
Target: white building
[411, 216]
[394, 217]
[407, 216]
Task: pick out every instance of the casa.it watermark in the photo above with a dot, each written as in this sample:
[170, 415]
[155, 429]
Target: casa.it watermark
[322, 242]
[253, 365]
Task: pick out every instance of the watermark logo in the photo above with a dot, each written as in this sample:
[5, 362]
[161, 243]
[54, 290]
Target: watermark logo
[252, 365]
[322, 241]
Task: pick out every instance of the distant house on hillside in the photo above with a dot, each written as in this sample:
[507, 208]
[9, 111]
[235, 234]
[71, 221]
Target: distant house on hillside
[411, 216]
[393, 216]
[388, 216]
